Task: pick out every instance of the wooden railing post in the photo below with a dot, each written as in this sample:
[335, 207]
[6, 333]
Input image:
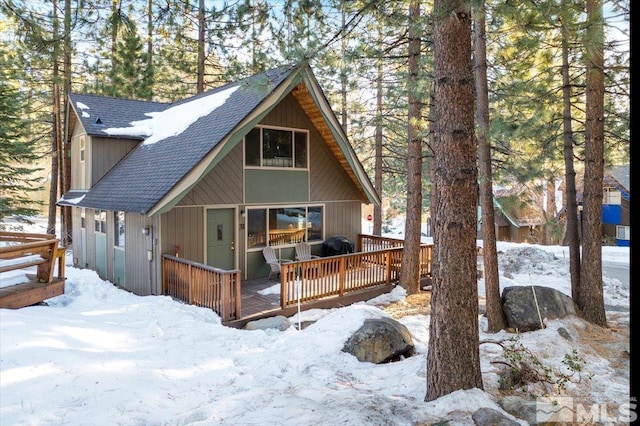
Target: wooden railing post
[343, 275]
[224, 298]
[238, 295]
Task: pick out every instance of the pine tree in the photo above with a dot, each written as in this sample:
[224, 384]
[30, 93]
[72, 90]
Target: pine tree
[18, 180]
[453, 356]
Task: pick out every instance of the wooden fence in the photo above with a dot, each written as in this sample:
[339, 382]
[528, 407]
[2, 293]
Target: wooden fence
[202, 285]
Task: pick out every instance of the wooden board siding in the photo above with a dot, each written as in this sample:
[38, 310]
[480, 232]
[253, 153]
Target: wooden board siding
[329, 181]
[184, 227]
[105, 153]
[138, 269]
[343, 219]
[276, 186]
[223, 185]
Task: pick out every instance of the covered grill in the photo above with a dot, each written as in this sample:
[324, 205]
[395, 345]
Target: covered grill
[337, 245]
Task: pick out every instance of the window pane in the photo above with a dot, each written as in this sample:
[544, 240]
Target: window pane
[301, 150]
[252, 148]
[286, 226]
[314, 224]
[277, 148]
[256, 228]
[119, 229]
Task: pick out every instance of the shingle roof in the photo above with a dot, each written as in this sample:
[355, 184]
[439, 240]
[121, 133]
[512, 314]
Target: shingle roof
[97, 113]
[141, 179]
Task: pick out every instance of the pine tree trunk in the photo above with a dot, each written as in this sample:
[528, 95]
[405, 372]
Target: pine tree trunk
[67, 231]
[453, 357]
[410, 273]
[201, 45]
[591, 300]
[495, 316]
[572, 238]
[377, 210]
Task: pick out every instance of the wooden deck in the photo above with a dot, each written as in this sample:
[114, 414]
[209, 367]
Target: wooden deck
[30, 293]
[257, 306]
[22, 251]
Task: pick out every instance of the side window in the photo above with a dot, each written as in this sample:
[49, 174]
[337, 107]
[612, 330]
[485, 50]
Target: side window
[100, 220]
[118, 238]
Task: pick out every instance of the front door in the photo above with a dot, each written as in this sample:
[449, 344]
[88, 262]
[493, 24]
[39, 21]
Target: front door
[220, 238]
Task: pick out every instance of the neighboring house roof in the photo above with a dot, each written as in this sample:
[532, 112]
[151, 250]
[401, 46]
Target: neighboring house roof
[183, 141]
[619, 177]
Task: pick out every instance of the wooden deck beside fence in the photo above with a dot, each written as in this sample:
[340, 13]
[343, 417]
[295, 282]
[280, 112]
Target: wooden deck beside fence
[328, 281]
[22, 251]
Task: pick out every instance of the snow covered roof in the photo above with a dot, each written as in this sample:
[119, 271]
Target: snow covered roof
[184, 140]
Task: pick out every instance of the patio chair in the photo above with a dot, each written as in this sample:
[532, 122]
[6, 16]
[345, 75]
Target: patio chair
[303, 252]
[273, 261]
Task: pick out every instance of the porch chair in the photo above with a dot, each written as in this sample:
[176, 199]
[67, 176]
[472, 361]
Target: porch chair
[303, 251]
[273, 261]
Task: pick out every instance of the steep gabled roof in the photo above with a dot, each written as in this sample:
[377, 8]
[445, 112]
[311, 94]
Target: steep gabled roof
[183, 141]
[97, 113]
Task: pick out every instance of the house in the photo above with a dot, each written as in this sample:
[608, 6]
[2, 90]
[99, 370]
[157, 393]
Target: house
[616, 205]
[213, 178]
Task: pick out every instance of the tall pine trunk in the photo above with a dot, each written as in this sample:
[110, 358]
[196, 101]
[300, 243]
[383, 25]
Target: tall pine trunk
[453, 356]
[591, 299]
[572, 238]
[410, 273]
[495, 316]
[67, 226]
[201, 46]
[377, 209]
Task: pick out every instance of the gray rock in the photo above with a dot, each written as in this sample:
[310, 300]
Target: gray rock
[379, 341]
[519, 305]
[278, 322]
[564, 333]
[521, 408]
[486, 416]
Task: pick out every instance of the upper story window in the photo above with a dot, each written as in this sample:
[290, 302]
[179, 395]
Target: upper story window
[275, 147]
[82, 168]
[612, 196]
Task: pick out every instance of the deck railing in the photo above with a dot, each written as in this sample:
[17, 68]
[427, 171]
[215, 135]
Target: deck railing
[202, 285]
[378, 264]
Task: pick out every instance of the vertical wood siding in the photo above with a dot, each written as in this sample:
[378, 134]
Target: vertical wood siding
[184, 227]
[105, 153]
[223, 185]
[139, 271]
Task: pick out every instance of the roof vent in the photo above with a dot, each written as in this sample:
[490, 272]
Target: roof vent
[98, 121]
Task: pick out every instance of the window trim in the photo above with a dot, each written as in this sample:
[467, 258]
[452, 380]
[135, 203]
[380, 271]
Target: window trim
[287, 206]
[626, 230]
[119, 241]
[100, 223]
[293, 131]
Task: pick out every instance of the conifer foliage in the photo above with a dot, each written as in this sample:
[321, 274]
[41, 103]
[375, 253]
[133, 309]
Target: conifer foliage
[18, 178]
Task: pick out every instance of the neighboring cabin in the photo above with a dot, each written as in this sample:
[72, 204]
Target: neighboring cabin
[213, 178]
[520, 216]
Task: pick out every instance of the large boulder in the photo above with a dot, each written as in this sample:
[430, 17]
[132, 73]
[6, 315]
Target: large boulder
[521, 305]
[380, 340]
